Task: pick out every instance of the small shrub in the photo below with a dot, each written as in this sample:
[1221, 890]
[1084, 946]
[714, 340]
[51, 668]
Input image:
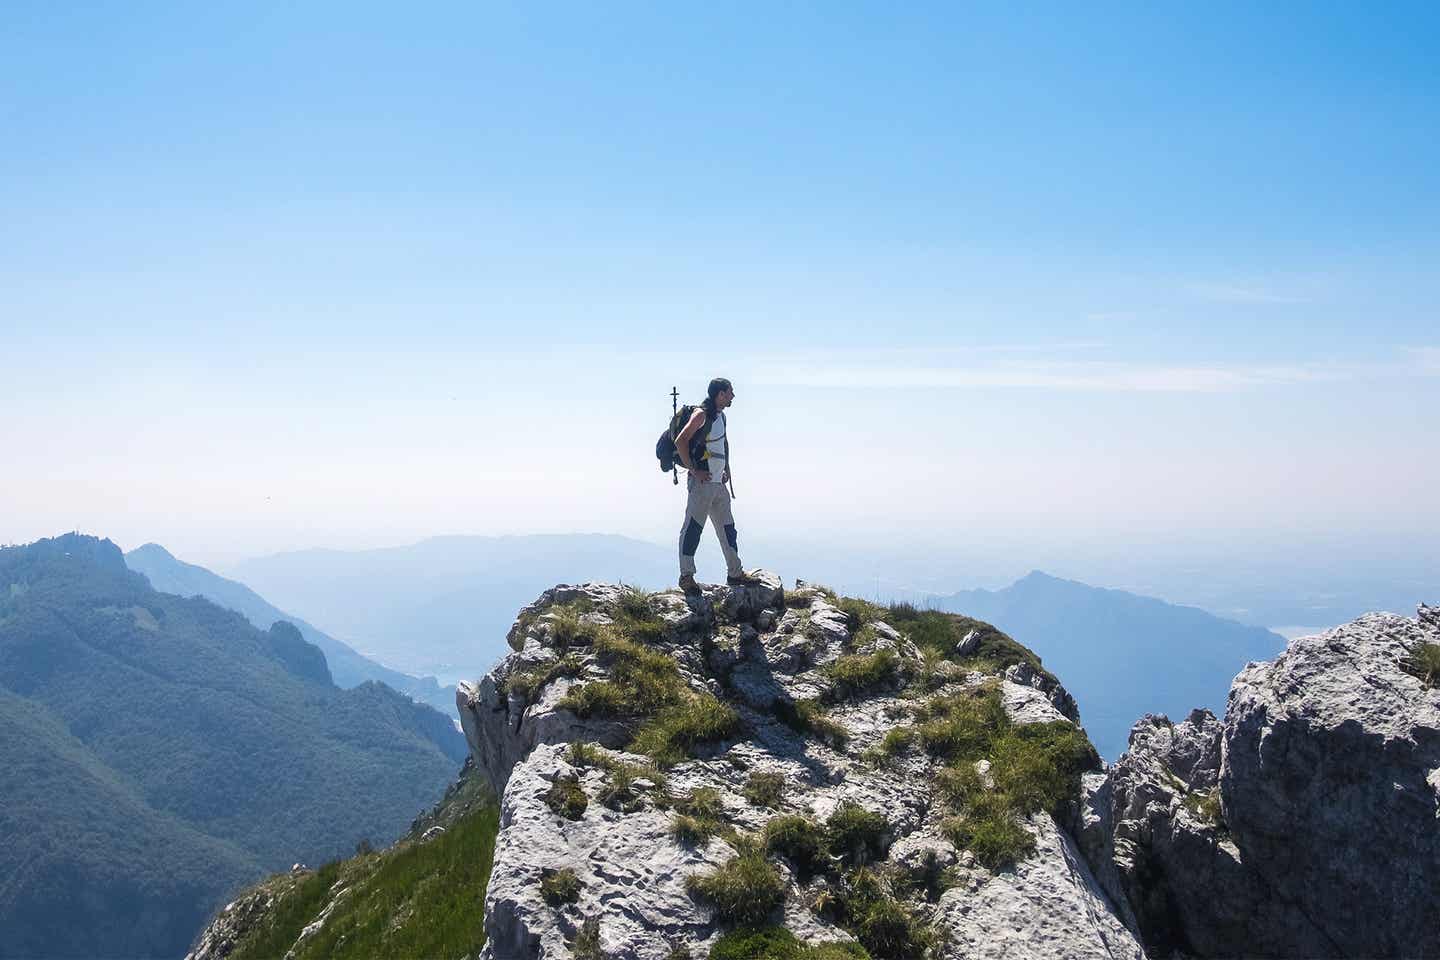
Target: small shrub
[566, 797]
[679, 951]
[856, 835]
[799, 840]
[1423, 661]
[559, 887]
[765, 789]
[745, 889]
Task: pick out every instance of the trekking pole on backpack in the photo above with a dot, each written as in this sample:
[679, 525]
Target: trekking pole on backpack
[674, 409]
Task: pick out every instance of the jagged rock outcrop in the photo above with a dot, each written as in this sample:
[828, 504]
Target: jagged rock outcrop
[1307, 824]
[597, 846]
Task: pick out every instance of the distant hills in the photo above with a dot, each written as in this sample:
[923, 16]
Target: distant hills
[160, 752]
[1121, 655]
[349, 669]
[442, 606]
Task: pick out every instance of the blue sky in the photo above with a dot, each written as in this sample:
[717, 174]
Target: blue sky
[351, 274]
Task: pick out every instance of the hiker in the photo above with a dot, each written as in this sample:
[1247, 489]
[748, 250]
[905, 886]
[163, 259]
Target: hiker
[704, 452]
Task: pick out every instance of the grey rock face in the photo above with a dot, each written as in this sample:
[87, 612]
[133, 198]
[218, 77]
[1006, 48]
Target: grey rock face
[1307, 824]
[1329, 785]
[745, 647]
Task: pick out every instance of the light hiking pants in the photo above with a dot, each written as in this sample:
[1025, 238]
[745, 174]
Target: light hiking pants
[708, 501]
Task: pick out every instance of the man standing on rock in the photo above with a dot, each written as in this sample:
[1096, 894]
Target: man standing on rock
[704, 451]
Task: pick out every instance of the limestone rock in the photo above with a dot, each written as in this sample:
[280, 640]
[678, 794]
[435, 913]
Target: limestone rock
[1304, 825]
[761, 652]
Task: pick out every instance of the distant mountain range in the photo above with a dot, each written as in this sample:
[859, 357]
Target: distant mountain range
[1121, 655]
[348, 668]
[159, 752]
[442, 606]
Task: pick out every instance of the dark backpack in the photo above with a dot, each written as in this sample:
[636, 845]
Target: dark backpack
[665, 450]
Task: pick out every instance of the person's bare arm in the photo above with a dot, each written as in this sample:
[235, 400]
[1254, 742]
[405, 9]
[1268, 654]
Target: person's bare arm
[682, 443]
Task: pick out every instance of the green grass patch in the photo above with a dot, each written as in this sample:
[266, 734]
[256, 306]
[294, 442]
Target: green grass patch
[1033, 767]
[1205, 804]
[672, 734]
[859, 613]
[884, 926]
[586, 945]
[636, 617]
[1423, 661]
[777, 943]
[559, 887]
[699, 815]
[765, 789]
[646, 684]
[859, 672]
[937, 633]
[566, 797]
[800, 840]
[745, 889]
[856, 835]
[808, 716]
[641, 680]
[526, 683]
[568, 626]
[413, 900]
[989, 829]
[963, 725]
[294, 907]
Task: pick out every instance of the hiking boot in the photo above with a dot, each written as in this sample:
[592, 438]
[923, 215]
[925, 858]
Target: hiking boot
[688, 584]
[742, 580]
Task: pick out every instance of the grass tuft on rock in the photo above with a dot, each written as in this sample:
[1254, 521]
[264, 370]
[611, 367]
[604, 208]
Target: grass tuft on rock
[645, 683]
[636, 617]
[526, 683]
[884, 926]
[744, 890]
[670, 736]
[856, 835]
[777, 943]
[808, 716]
[559, 887]
[765, 789]
[566, 797]
[859, 672]
[800, 840]
[1423, 662]
[586, 945]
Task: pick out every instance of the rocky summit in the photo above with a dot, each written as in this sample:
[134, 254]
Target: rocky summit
[760, 774]
[753, 769]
